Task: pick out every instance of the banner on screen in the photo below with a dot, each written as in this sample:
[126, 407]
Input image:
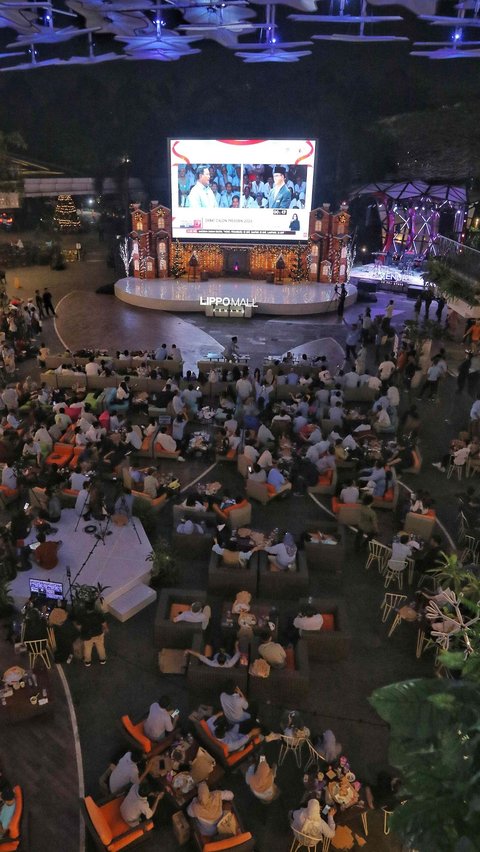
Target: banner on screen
[241, 189]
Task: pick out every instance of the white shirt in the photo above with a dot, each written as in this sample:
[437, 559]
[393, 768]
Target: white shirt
[385, 370]
[8, 478]
[351, 379]
[233, 739]
[251, 453]
[374, 382]
[125, 773]
[201, 196]
[77, 480]
[167, 442]
[157, 723]
[308, 622]
[350, 494]
[234, 707]
[92, 368]
[400, 551]
[134, 806]
[393, 396]
[134, 439]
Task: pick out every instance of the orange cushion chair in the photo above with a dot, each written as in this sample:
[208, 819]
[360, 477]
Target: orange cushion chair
[61, 455]
[108, 828]
[11, 840]
[136, 735]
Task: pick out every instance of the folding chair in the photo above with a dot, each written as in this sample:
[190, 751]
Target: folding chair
[294, 745]
[394, 572]
[378, 553]
[391, 601]
[38, 648]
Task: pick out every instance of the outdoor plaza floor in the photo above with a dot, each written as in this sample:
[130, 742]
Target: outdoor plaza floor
[41, 756]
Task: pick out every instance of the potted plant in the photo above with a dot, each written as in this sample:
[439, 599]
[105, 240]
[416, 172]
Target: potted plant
[84, 596]
[164, 569]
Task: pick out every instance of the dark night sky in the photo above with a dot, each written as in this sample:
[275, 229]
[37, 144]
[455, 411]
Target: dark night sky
[87, 117]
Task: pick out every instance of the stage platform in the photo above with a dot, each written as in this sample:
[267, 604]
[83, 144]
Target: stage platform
[120, 563]
[380, 274]
[268, 299]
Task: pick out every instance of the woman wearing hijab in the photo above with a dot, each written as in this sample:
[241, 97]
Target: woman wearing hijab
[309, 821]
[207, 808]
[283, 554]
[260, 777]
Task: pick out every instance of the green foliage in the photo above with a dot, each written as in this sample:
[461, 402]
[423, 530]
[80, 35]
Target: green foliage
[177, 268]
[451, 281]
[452, 574]
[419, 333]
[6, 600]
[435, 744]
[164, 568]
[297, 272]
[85, 596]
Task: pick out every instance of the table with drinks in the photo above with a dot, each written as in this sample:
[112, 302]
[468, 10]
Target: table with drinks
[25, 696]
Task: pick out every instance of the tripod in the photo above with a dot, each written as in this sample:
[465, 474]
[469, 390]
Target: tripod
[135, 528]
[101, 534]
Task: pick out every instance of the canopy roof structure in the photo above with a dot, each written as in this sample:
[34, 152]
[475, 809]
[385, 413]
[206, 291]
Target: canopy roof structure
[167, 30]
[411, 214]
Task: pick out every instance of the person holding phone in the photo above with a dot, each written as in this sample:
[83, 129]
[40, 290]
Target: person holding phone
[260, 777]
[310, 822]
[159, 721]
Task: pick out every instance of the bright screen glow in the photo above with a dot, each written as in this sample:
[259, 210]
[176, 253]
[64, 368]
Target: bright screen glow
[241, 189]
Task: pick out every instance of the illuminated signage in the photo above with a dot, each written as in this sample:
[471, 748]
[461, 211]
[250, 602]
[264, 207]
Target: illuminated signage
[226, 302]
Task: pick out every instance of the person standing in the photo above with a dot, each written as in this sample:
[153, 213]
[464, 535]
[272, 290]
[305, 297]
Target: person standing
[353, 338]
[389, 309]
[441, 302]
[47, 303]
[367, 522]
[39, 303]
[428, 302]
[93, 627]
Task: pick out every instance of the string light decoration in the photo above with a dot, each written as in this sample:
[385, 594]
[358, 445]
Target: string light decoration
[65, 217]
[177, 267]
[297, 269]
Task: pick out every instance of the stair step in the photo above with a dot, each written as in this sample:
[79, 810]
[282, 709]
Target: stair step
[128, 604]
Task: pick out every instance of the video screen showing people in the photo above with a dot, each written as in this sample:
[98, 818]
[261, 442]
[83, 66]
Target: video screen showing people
[209, 185]
[274, 186]
[243, 189]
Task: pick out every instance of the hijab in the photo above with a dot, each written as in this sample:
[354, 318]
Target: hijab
[262, 779]
[208, 805]
[290, 546]
[311, 824]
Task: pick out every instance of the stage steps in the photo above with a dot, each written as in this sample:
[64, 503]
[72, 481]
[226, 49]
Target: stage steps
[131, 602]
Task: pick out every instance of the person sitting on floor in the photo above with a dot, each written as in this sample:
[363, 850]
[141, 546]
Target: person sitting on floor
[260, 777]
[127, 771]
[206, 808]
[46, 554]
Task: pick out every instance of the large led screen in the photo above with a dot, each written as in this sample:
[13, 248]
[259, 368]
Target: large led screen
[241, 189]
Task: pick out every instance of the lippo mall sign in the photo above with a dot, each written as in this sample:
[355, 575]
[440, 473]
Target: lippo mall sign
[226, 302]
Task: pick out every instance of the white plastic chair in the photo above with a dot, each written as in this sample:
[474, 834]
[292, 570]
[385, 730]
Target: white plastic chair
[378, 553]
[293, 745]
[395, 571]
[391, 601]
[304, 841]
